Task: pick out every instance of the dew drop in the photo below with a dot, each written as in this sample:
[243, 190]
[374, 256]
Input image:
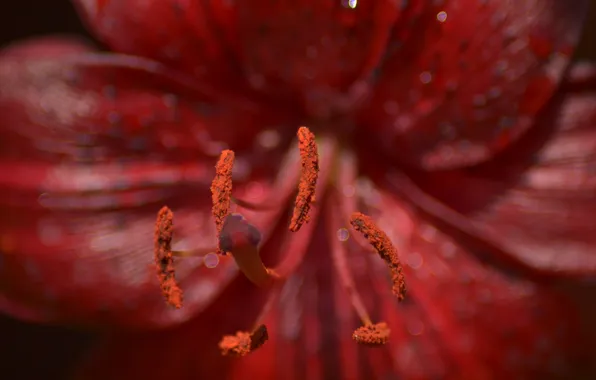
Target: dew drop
[343, 234]
[426, 77]
[211, 260]
[415, 327]
[479, 100]
[242, 169]
[448, 250]
[170, 100]
[494, 92]
[350, 3]
[415, 260]
[442, 16]
[268, 139]
[44, 200]
[109, 91]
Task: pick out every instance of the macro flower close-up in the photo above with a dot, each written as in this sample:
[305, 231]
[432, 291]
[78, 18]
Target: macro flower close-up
[338, 189]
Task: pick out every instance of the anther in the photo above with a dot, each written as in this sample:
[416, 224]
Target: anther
[372, 335]
[164, 260]
[221, 190]
[380, 241]
[309, 158]
[243, 342]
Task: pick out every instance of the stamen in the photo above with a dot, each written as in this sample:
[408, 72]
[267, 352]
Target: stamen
[243, 342]
[369, 334]
[194, 252]
[372, 335]
[164, 260]
[254, 206]
[309, 158]
[221, 190]
[380, 241]
[346, 177]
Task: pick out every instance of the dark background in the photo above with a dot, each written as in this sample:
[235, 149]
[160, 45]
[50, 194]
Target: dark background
[42, 352]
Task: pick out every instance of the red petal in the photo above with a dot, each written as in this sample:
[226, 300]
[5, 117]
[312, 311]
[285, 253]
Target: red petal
[182, 34]
[100, 143]
[462, 319]
[546, 219]
[471, 78]
[467, 319]
[313, 49]
[534, 204]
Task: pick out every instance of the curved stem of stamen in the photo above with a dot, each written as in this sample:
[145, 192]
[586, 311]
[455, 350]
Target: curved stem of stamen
[243, 343]
[271, 300]
[194, 252]
[262, 206]
[446, 217]
[346, 178]
[340, 262]
[248, 260]
[282, 189]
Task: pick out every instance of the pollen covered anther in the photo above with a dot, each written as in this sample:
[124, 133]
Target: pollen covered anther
[243, 342]
[221, 190]
[309, 157]
[164, 259]
[372, 335]
[380, 241]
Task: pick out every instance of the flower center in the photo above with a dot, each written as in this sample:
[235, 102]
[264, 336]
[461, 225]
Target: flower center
[239, 238]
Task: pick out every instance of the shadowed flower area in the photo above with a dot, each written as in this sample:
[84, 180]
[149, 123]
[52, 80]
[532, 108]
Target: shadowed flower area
[460, 130]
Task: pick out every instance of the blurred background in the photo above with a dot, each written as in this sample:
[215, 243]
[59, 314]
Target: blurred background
[49, 351]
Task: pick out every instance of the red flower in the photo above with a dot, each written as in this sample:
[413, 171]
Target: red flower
[454, 124]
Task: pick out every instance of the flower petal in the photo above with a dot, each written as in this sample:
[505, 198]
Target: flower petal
[181, 34]
[466, 318]
[471, 79]
[462, 319]
[533, 205]
[100, 142]
[311, 51]
[316, 49]
[546, 218]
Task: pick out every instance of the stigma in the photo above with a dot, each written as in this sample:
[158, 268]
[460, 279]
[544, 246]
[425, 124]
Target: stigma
[241, 240]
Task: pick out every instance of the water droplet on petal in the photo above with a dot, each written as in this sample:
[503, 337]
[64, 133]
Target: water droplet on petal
[211, 260]
[343, 234]
[415, 260]
[268, 139]
[426, 77]
[415, 327]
